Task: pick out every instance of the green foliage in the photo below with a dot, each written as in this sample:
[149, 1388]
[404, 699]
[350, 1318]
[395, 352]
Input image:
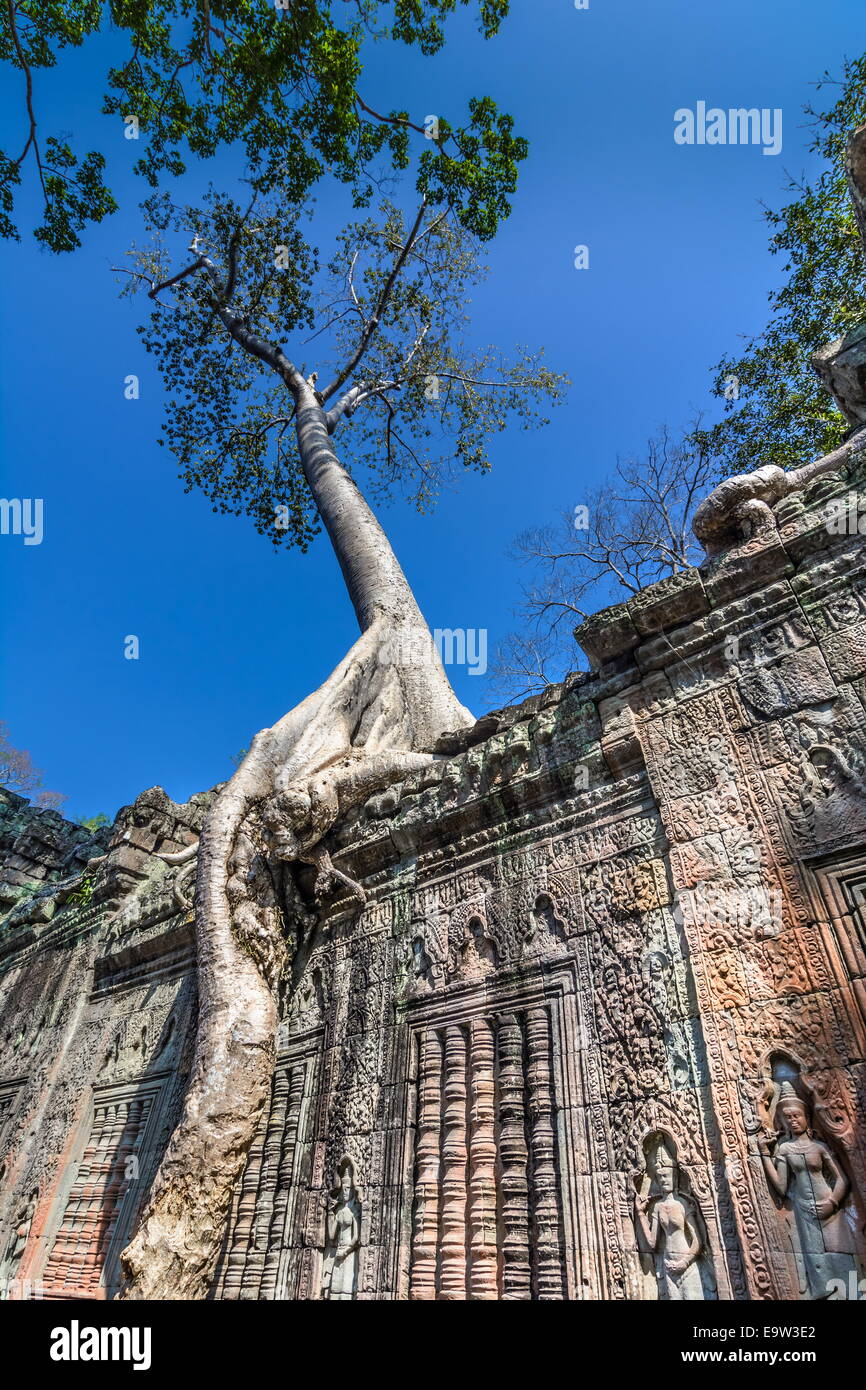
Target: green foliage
[280, 86]
[417, 22]
[283, 88]
[448, 399]
[96, 822]
[228, 421]
[73, 189]
[473, 170]
[424, 402]
[783, 415]
[81, 896]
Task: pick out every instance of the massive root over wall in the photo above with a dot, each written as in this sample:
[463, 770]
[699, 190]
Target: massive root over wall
[375, 719]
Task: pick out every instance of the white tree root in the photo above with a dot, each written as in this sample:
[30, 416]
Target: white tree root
[374, 720]
[742, 506]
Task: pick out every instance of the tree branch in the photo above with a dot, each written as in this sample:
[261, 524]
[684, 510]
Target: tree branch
[381, 304]
[28, 79]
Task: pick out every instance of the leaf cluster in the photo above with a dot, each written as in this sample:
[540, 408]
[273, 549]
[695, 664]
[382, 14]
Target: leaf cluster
[776, 410]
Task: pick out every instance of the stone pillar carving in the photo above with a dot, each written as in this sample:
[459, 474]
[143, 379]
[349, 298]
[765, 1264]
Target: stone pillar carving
[244, 1217]
[453, 1277]
[514, 1184]
[279, 1236]
[426, 1237]
[76, 1264]
[549, 1278]
[487, 1208]
[261, 1233]
[261, 1224]
[482, 1164]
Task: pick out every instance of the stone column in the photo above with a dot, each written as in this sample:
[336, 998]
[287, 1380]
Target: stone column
[425, 1242]
[482, 1165]
[258, 1244]
[549, 1279]
[516, 1280]
[244, 1218]
[453, 1280]
[279, 1235]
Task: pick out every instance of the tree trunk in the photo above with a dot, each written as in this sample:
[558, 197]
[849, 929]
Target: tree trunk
[376, 718]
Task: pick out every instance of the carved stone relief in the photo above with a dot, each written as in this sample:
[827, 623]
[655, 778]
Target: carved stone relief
[340, 1277]
[538, 1061]
[16, 1244]
[807, 1178]
[671, 1230]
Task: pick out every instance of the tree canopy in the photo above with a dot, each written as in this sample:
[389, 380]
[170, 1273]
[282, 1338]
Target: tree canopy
[280, 82]
[776, 410]
[379, 331]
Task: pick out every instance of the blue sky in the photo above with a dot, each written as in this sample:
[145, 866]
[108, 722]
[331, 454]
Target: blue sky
[232, 635]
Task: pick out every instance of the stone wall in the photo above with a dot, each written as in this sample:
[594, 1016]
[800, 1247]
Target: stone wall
[38, 848]
[597, 1034]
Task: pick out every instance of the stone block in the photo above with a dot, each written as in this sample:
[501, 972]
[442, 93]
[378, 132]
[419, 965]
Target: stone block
[607, 635]
[669, 604]
[797, 680]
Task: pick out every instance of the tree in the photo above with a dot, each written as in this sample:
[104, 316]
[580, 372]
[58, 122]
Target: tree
[280, 82]
[284, 86]
[776, 410]
[633, 531]
[254, 428]
[50, 801]
[18, 773]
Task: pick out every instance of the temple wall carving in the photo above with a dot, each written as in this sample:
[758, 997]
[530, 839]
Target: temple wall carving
[599, 1031]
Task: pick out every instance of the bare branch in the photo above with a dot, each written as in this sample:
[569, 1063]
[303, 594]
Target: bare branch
[384, 295]
[636, 533]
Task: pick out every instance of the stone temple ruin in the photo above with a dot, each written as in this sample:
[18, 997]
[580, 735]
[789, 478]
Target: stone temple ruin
[599, 1031]
[614, 944]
